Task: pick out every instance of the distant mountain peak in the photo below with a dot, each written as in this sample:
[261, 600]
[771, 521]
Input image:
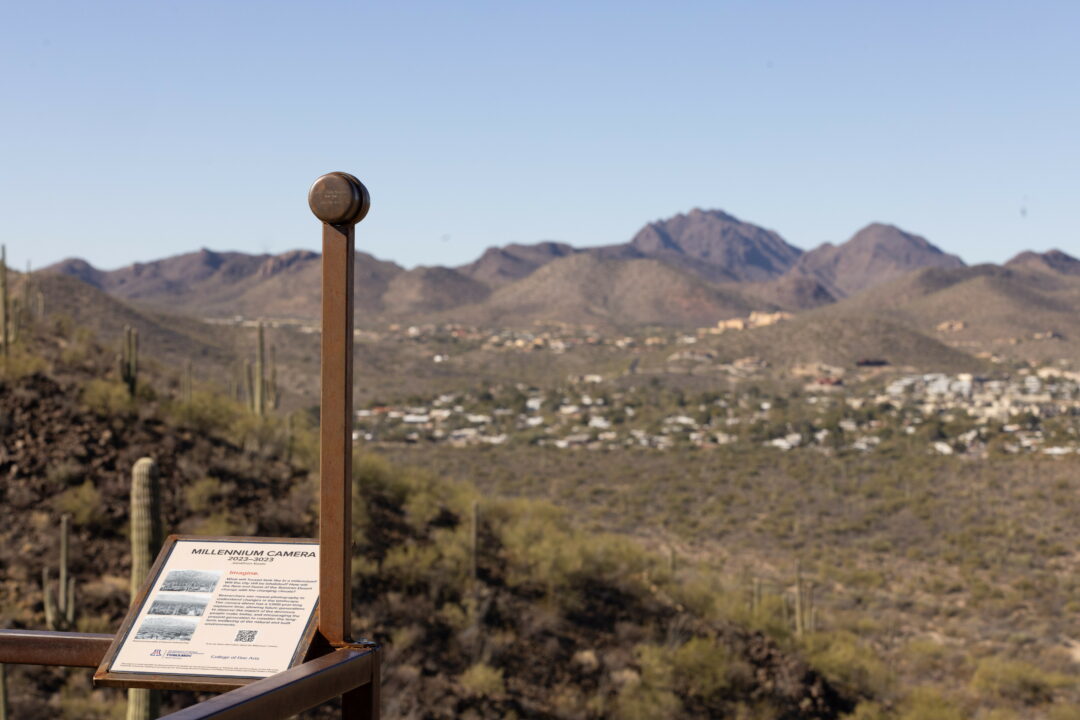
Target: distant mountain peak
[501, 265]
[80, 270]
[875, 254]
[275, 264]
[716, 246]
[1054, 260]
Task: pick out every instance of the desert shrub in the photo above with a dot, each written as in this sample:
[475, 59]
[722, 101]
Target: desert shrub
[261, 434]
[82, 502]
[1063, 712]
[538, 547]
[78, 700]
[868, 711]
[105, 397]
[1016, 680]
[202, 494]
[302, 439]
[648, 695]
[704, 669]
[418, 566]
[842, 658]
[483, 681]
[924, 655]
[20, 362]
[926, 703]
[207, 412]
[699, 673]
[1001, 714]
[101, 623]
[219, 523]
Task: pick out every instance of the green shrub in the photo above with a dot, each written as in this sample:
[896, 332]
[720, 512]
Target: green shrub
[82, 502]
[1017, 681]
[207, 412]
[20, 362]
[868, 711]
[1063, 712]
[78, 700]
[105, 397]
[202, 494]
[842, 658]
[219, 523]
[704, 669]
[483, 681]
[926, 703]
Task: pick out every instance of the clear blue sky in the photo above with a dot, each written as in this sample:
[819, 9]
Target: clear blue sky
[136, 130]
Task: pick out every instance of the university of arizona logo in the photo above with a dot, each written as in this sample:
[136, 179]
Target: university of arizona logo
[156, 653]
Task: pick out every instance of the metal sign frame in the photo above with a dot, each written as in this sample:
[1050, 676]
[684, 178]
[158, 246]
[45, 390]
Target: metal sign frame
[106, 677]
[337, 666]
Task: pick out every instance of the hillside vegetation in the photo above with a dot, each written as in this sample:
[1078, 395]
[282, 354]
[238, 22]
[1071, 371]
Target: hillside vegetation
[488, 607]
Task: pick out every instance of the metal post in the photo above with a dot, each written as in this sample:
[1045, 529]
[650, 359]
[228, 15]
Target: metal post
[340, 201]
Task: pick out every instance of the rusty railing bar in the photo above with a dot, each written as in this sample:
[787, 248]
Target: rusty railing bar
[290, 692]
[43, 647]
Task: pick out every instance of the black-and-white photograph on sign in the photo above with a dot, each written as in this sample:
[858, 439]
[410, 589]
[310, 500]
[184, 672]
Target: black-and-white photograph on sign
[192, 580]
[179, 604]
[166, 628]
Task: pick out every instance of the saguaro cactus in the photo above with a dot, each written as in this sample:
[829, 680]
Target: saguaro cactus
[28, 281]
[60, 613]
[259, 381]
[16, 320]
[145, 520]
[805, 612]
[187, 386]
[129, 359]
[474, 544]
[249, 384]
[272, 397]
[145, 543]
[799, 605]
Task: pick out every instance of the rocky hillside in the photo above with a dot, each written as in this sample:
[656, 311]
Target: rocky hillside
[586, 288]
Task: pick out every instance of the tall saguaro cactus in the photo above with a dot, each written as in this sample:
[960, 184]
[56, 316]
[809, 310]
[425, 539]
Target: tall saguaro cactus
[145, 520]
[260, 374]
[187, 385]
[60, 612]
[272, 397]
[145, 542]
[129, 359]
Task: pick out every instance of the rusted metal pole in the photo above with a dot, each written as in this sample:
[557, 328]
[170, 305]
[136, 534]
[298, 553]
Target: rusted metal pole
[290, 692]
[340, 201]
[365, 702]
[42, 647]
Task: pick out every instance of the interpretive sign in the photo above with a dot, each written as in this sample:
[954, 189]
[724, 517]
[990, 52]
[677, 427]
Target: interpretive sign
[215, 612]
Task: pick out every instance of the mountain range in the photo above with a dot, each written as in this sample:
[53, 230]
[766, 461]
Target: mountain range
[691, 269]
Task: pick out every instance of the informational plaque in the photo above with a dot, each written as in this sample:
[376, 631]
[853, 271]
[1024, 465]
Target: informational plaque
[217, 612]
